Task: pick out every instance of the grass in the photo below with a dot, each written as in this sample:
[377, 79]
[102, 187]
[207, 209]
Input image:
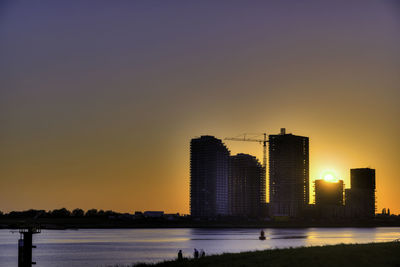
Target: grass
[364, 255]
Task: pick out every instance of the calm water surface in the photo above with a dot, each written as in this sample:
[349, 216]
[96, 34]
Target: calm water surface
[125, 246]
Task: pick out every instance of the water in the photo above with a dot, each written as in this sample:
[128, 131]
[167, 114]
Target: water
[106, 247]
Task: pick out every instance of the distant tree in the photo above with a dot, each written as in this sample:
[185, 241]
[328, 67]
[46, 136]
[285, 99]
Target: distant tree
[101, 213]
[1, 213]
[32, 213]
[14, 214]
[78, 213]
[61, 213]
[91, 213]
[47, 214]
[109, 213]
[26, 213]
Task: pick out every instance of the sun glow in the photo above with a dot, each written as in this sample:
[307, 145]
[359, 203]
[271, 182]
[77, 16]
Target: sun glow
[330, 176]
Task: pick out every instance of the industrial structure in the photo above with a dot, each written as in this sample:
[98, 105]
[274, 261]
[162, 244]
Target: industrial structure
[247, 186]
[209, 174]
[360, 198]
[25, 245]
[288, 174]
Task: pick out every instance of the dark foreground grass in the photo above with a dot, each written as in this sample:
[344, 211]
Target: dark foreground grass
[363, 255]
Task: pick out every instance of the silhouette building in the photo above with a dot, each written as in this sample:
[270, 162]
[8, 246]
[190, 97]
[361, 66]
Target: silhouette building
[209, 174]
[329, 198]
[288, 174]
[360, 198]
[328, 193]
[247, 186]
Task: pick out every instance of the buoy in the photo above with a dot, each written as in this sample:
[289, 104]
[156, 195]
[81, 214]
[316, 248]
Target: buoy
[262, 235]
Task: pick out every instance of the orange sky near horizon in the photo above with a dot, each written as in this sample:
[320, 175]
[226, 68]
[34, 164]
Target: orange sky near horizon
[99, 102]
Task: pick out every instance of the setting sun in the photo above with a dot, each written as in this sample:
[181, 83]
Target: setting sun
[330, 176]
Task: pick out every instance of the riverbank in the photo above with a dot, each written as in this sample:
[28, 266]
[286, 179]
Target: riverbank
[92, 219]
[106, 223]
[366, 255]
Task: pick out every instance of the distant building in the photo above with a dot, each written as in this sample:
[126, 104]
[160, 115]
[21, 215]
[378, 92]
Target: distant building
[360, 198]
[172, 216]
[209, 174]
[247, 188]
[153, 214]
[288, 174]
[329, 198]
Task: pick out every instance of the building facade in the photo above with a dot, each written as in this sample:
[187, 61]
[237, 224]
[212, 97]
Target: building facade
[288, 174]
[247, 186]
[209, 177]
[360, 198]
[329, 200]
[328, 193]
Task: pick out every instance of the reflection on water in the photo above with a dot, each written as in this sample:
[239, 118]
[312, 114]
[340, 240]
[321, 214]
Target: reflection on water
[290, 237]
[93, 247]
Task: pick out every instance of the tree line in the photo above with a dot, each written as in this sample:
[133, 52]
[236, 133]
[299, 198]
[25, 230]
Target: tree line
[59, 213]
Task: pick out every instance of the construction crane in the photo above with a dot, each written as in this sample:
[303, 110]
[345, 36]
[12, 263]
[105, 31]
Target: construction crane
[261, 141]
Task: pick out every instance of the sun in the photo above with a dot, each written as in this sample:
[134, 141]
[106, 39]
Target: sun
[329, 176]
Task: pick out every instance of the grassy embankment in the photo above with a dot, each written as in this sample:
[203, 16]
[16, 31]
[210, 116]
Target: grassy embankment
[365, 255]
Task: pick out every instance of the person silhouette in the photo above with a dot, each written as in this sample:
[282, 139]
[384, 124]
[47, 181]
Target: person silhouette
[196, 254]
[202, 254]
[180, 256]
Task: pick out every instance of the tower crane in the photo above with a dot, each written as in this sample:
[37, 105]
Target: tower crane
[261, 141]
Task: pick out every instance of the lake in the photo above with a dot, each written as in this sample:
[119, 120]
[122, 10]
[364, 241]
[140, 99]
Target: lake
[106, 247]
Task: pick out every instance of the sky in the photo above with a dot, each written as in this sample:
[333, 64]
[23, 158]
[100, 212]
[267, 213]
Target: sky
[99, 99]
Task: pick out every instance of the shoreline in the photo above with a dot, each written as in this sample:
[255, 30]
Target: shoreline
[59, 225]
[199, 227]
[129, 223]
[366, 255]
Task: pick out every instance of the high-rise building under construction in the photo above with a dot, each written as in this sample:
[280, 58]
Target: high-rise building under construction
[209, 177]
[288, 174]
[247, 186]
[328, 193]
[360, 198]
[329, 198]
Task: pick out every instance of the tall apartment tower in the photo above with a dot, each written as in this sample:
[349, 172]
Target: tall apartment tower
[209, 174]
[246, 186]
[329, 198]
[360, 198]
[328, 193]
[288, 174]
